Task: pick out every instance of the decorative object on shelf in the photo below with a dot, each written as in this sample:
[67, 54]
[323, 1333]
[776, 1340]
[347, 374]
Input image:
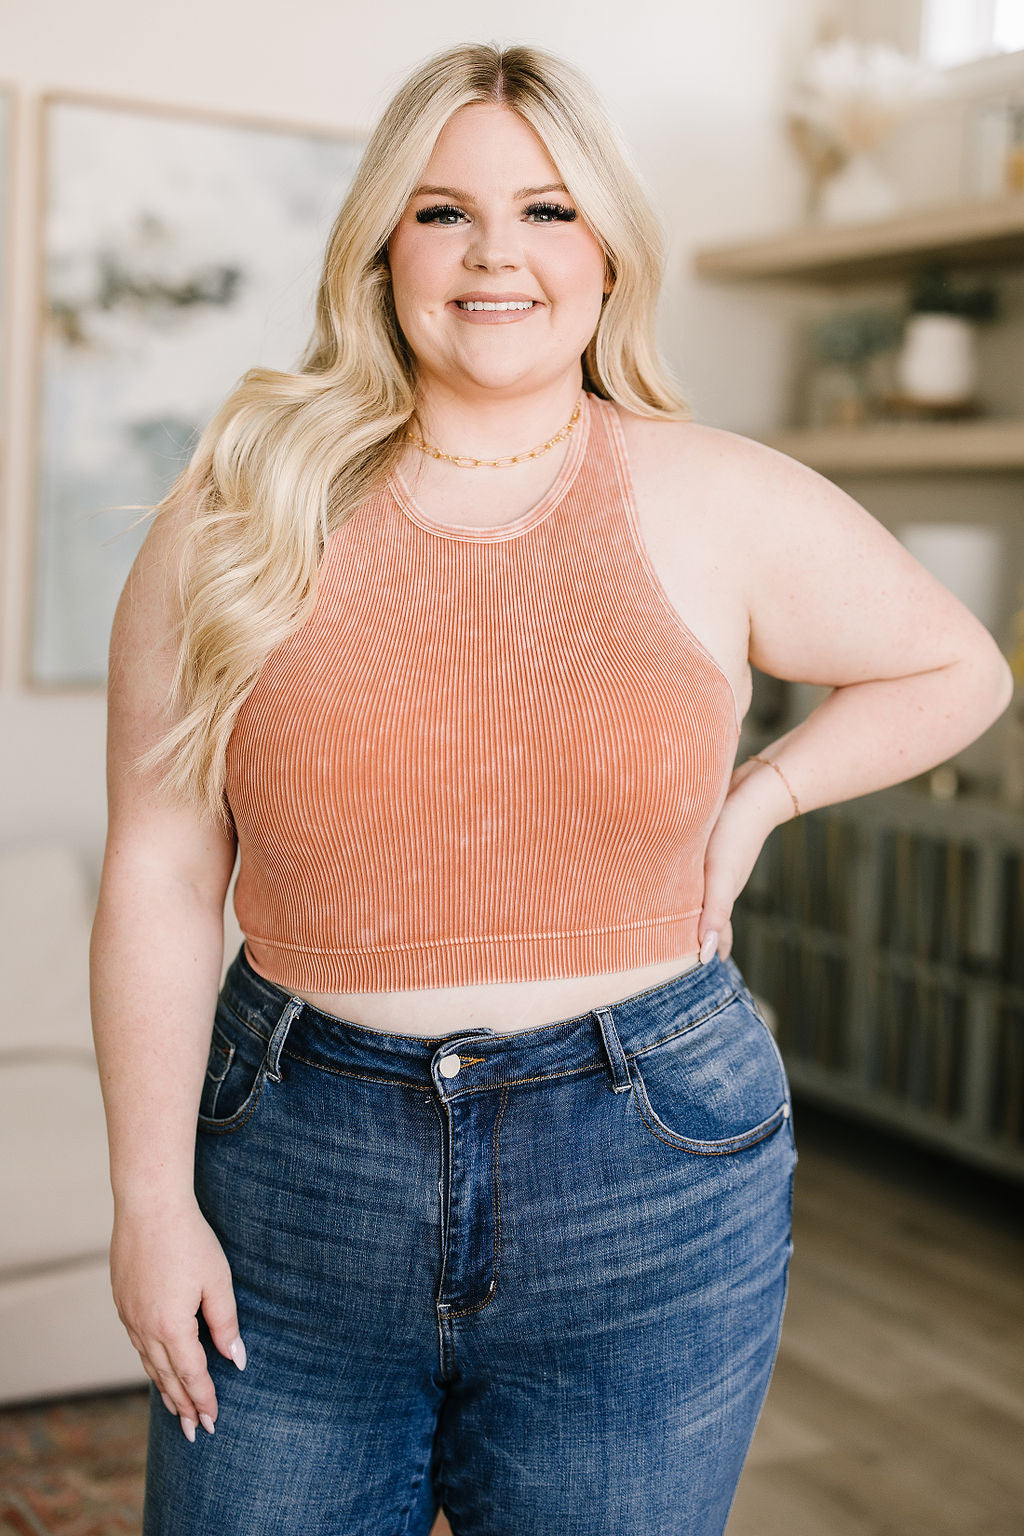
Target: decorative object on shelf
[843, 347]
[1014, 172]
[843, 104]
[820, 154]
[938, 360]
[995, 146]
[1012, 785]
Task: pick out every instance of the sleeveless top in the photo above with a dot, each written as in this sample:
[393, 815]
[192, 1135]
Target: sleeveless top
[489, 755]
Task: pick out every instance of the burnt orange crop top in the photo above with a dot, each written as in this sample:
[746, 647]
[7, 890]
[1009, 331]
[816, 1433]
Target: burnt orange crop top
[490, 754]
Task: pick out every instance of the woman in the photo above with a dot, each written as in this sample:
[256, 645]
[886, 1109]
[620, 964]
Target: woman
[488, 1158]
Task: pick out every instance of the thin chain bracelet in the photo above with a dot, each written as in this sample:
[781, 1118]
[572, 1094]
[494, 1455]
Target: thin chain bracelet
[782, 776]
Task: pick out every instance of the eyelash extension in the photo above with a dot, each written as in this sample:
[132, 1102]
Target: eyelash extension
[560, 212]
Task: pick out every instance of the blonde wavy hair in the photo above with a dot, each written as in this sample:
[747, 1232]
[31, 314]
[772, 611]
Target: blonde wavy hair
[289, 456]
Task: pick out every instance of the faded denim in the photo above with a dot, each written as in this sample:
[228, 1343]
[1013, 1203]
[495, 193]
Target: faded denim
[537, 1278]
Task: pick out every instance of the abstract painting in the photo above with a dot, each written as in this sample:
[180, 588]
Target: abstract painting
[177, 252]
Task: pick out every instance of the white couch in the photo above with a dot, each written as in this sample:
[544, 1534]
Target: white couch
[59, 1328]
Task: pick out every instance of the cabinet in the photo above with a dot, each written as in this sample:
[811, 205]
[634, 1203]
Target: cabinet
[886, 935]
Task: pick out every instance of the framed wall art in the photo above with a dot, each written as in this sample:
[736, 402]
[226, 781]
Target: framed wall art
[6, 163]
[177, 251]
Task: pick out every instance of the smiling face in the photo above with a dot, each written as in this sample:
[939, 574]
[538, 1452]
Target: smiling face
[491, 222]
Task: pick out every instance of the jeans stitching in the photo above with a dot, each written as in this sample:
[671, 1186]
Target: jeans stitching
[722, 1148]
[538, 1077]
[493, 1291]
[415, 1487]
[362, 1077]
[225, 1127]
[718, 1008]
[771, 1373]
[245, 1023]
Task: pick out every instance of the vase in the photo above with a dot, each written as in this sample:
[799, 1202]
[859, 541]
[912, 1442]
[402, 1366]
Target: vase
[859, 191]
[938, 361]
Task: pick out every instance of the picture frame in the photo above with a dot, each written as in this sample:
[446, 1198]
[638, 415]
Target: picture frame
[177, 249]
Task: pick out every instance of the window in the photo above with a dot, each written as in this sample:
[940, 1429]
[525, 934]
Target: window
[956, 31]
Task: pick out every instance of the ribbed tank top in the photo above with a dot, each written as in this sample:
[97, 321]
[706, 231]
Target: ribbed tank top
[489, 755]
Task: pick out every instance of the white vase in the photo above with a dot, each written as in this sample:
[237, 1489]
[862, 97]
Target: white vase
[859, 191]
[938, 361]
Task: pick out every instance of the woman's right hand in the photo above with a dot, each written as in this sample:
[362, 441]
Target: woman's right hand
[166, 1263]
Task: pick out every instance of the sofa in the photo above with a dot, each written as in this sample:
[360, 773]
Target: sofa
[59, 1329]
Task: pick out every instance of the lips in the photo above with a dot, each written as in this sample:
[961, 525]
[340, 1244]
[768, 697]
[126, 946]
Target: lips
[485, 311]
[495, 298]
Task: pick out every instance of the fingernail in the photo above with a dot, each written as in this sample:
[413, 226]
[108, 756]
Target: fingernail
[168, 1404]
[189, 1426]
[237, 1353]
[206, 1422]
[708, 947]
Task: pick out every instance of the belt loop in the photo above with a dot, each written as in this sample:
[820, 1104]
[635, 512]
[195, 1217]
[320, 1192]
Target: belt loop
[293, 1009]
[613, 1046]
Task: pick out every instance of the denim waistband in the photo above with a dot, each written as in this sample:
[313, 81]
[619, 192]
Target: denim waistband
[588, 1040]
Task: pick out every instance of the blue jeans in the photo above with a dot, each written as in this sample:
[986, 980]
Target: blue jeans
[538, 1278]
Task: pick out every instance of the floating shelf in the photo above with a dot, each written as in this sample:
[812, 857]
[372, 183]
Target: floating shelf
[884, 447]
[980, 233]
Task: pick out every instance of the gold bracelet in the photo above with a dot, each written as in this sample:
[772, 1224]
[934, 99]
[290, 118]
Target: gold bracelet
[782, 776]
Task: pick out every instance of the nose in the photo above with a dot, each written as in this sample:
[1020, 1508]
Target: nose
[493, 248]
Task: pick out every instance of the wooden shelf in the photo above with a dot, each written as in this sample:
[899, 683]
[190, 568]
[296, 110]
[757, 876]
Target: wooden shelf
[985, 232]
[895, 447]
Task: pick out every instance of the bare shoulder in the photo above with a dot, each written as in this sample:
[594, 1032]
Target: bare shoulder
[832, 596]
[144, 631]
[680, 473]
[704, 455]
[143, 651]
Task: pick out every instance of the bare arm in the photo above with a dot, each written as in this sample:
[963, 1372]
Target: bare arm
[155, 962]
[834, 599]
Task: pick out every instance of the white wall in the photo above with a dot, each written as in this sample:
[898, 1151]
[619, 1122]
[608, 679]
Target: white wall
[693, 85]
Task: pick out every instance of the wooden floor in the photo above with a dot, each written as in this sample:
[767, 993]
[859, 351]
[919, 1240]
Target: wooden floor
[897, 1403]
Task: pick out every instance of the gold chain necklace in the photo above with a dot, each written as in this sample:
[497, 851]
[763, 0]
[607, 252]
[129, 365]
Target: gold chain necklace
[463, 461]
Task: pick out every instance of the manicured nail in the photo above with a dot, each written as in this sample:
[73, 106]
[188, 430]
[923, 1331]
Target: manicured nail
[168, 1404]
[189, 1426]
[708, 947]
[206, 1422]
[237, 1353]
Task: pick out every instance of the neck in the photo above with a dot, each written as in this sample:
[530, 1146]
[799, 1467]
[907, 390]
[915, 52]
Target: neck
[491, 426]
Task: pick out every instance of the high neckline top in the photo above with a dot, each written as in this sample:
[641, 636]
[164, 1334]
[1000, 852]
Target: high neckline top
[527, 520]
[491, 754]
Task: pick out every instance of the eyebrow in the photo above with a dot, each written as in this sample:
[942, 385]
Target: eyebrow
[466, 197]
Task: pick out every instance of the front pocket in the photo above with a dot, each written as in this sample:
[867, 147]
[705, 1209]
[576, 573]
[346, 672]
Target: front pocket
[715, 1087]
[235, 1074]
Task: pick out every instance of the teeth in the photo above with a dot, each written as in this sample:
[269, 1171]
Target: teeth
[481, 304]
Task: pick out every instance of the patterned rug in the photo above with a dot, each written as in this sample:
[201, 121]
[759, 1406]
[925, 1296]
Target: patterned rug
[74, 1466]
